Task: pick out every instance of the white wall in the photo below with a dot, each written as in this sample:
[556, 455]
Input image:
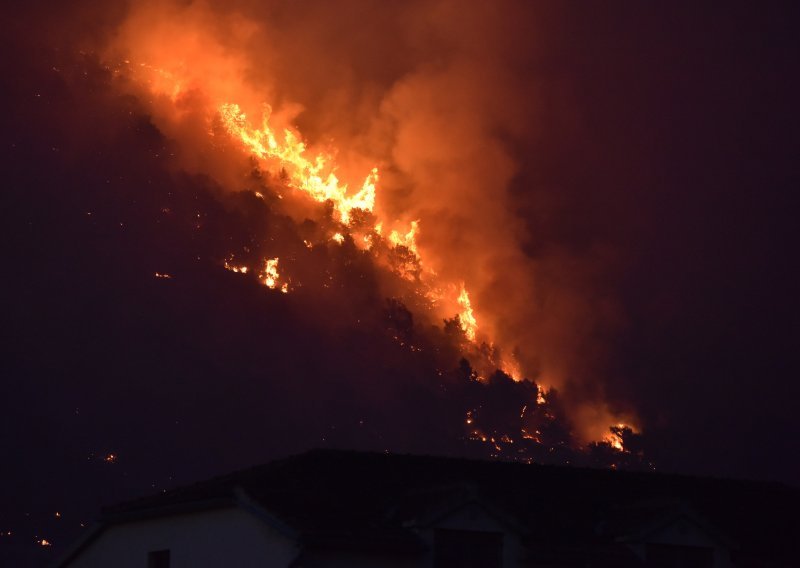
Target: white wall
[219, 538]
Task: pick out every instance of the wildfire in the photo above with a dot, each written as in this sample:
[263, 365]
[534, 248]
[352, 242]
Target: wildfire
[615, 441]
[467, 318]
[269, 275]
[240, 268]
[614, 437]
[408, 240]
[313, 175]
[284, 153]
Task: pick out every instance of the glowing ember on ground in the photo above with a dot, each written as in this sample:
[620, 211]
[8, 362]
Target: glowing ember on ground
[241, 269]
[110, 458]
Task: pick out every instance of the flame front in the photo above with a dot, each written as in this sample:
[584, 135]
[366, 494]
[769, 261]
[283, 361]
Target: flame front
[315, 176]
[284, 153]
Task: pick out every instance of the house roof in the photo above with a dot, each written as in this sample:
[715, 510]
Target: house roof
[331, 498]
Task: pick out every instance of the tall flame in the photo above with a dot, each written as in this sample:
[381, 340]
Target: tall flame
[315, 176]
[467, 318]
[408, 240]
[269, 275]
[284, 153]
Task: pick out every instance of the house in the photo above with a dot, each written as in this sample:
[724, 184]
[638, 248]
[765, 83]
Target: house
[339, 508]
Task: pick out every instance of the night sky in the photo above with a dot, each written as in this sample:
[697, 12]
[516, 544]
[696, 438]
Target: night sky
[628, 230]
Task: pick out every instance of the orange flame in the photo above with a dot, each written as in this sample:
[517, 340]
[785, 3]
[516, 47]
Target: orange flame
[315, 176]
[614, 439]
[269, 275]
[467, 318]
[408, 240]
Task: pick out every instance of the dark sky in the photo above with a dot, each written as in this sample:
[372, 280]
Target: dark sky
[659, 171]
[689, 124]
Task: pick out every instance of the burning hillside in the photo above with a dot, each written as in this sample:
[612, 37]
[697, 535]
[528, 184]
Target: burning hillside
[412, 167]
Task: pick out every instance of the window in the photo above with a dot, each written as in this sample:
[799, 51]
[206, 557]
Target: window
[467, 549]
[675, 556]
[158, 559]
